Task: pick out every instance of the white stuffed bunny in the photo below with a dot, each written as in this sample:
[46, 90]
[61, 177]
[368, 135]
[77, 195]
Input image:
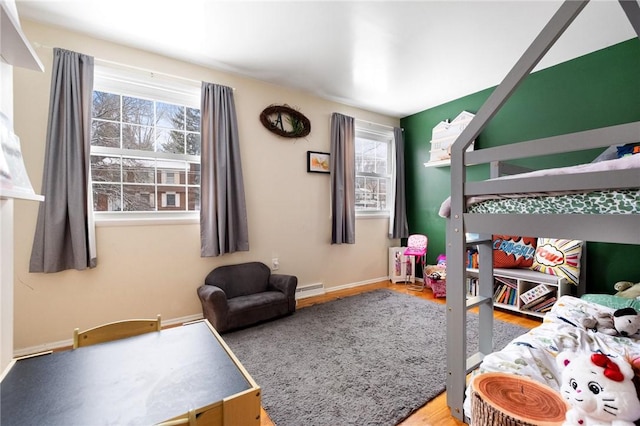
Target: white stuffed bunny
[599, 390]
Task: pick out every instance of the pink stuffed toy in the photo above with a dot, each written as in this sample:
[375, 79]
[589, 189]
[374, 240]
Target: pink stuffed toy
[599, 390]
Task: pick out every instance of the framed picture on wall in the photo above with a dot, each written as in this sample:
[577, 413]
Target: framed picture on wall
[318, 162]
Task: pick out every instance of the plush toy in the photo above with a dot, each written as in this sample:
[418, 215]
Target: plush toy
[602, 322]
[623, 322]
[627, 289]
[598, 389]
[626, 321]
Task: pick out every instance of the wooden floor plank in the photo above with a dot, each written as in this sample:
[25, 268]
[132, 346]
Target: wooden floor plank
[436, 411]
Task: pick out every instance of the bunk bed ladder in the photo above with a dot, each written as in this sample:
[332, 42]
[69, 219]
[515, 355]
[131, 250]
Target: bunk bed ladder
[484, 302]
[458, 366]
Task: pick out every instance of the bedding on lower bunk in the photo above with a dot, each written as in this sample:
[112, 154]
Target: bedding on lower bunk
[533, 354]
[598, 202]
[623, 201]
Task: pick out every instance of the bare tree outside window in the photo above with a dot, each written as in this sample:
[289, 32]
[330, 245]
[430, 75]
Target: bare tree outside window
[137, 146]
[373, 154]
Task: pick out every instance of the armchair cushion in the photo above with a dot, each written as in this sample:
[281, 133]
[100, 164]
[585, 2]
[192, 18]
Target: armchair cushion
[236, 296]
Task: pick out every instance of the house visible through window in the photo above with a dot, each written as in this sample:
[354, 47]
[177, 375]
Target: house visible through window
[145, 144]
[171, 200]
[373, 149]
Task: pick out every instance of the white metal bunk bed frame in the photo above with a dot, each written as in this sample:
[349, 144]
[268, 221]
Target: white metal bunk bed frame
[624, 229]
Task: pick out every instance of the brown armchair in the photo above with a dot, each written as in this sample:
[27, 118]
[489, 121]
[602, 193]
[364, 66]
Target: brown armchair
[237, 296]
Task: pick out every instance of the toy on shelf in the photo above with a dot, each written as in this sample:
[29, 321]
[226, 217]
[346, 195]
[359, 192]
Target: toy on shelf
[445, 133]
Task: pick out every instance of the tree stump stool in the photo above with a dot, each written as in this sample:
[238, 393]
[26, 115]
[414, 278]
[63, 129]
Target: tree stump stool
[500, 399]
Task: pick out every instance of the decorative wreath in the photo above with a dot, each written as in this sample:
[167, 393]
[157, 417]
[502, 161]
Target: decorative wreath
[299, 126]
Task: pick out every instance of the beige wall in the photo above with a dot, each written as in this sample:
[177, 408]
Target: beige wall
[146, 270]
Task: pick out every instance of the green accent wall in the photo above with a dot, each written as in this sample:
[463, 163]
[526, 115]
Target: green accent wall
[596, 90]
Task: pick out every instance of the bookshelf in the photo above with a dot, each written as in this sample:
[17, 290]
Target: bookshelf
[523, 290]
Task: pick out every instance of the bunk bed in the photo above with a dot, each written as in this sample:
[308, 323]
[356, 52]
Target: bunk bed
[600, 227]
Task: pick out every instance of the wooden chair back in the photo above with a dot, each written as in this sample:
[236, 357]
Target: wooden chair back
[114, 331]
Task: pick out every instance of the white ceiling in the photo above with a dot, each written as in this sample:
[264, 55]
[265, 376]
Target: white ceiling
[391, 57]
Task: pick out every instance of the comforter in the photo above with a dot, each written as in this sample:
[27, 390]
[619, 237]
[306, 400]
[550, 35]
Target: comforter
[533, 354]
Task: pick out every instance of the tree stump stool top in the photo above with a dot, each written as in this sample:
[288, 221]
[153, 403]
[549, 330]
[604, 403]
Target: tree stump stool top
[511, 400]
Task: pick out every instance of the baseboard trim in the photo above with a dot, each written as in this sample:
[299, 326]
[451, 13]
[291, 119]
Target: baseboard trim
[181, 320]
[356, 284]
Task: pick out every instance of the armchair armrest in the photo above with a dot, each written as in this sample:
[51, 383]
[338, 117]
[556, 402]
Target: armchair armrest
[214, 305]
[286, 284]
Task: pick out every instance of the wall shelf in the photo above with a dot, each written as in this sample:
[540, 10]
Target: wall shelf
[19, 195]
[440, 163]
[15, 49]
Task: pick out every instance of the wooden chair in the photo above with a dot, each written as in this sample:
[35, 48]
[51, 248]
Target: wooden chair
[189, 419]
[114, 331]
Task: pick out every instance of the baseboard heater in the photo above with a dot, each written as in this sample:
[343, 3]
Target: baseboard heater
[309, 290]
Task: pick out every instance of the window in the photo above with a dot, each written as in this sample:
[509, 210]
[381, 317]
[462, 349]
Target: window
[145, 144]
[374, 145]
[171, 200]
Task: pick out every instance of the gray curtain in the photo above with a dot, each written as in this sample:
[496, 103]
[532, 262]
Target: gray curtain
[65, 233]
[343, 179]
[399, 224]
[223, 212]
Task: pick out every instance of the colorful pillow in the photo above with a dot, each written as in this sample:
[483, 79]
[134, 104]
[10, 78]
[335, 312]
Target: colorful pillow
[558, 257]
[513, 252]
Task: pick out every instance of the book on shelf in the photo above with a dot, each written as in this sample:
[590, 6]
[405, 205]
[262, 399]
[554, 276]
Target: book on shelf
[503, 295]
[507, 281]
[472, 258]
[546, 309]
[496, 292]
[541, 304]
[510, 296]
[533, 303]
[543, 307]
[501, 290]
[535, 293]
[472, 286]
[506, 295]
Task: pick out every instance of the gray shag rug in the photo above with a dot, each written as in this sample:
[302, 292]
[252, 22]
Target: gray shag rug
[369, 359]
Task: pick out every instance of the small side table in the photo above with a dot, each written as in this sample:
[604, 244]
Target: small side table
[500, 399]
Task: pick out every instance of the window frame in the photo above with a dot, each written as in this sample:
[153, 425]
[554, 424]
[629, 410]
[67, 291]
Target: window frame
[156, 87]
[380, 134]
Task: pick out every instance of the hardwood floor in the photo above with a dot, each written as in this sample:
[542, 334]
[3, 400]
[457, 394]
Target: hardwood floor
[435, 412]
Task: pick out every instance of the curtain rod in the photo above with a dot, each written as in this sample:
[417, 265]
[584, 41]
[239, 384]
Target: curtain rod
[377, 124]
[120, 64]
[146, 70]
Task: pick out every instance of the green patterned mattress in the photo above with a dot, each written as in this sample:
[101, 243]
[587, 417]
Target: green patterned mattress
[598, 202]
[618, 200]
